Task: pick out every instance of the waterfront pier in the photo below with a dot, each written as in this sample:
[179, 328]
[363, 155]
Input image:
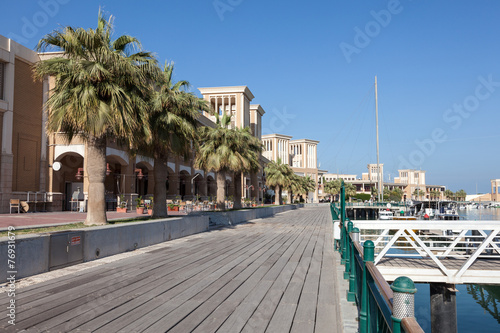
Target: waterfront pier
[276, 274]
[441, 253]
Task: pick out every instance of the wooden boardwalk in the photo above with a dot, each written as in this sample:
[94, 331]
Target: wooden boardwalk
[272, 275]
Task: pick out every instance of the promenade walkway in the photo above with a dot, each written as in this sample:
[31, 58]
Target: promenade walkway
[272, 275]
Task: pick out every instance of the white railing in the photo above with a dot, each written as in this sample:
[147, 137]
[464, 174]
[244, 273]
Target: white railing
[439, 241]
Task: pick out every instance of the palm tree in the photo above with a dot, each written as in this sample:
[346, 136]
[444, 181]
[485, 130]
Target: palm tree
[277, 175]
[387, 194]
[418, 193]
[170, 128]
[247, 149]
[448, 194]
[295, 186]
[99, 85]
[223, 150]
[350, 190]
[308, 185]
[333, 187]
[434, 194]
[396, 194]
[460, 195]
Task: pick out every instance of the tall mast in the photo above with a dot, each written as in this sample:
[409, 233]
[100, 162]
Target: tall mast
[380, 184]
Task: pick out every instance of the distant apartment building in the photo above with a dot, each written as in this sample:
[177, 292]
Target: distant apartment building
[493, 196]
[416, 187]
[495, 187]
[300, 155]
[373, 172]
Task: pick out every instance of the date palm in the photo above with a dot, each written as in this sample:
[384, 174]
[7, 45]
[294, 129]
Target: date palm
[333, 187]
[308, 185]
[448, 194]
[350, 190]
[170, 128]
[277, 176]
[248, 154]
[99, 85]
[224, 150]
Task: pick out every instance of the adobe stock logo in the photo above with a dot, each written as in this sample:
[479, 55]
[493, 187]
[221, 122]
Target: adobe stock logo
[454, 117]
[278, 121]
[222, 6]
[31, 26]
[372, 29]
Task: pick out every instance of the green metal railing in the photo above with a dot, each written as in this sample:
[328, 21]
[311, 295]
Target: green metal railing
[382, 308]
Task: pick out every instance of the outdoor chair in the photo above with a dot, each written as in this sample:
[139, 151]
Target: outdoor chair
[16, 204]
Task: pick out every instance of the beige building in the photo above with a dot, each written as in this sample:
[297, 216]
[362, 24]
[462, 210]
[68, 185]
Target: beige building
[495, 188]
[46, 170]
[415, 180]
[23, 159]
[300, 155]
[373, 172]
[236, 102]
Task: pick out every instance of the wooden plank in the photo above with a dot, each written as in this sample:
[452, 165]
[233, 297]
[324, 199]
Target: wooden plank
[139, 280]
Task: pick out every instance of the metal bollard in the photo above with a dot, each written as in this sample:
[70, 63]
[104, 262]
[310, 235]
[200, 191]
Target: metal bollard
[351, 293]
[403, 301]
[364, 312]
[348, 251]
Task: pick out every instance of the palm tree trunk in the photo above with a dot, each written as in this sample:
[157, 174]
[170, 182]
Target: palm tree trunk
[277, 194]
[221, 190]
[237, 190]
[160, 194]
[281, 196]
[96, 172]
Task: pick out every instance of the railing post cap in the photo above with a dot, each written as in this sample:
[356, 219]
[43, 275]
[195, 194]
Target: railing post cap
[355, 230]
[369, 244]
[404, 284]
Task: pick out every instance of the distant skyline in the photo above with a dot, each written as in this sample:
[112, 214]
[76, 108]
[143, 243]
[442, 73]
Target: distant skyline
[312, 66]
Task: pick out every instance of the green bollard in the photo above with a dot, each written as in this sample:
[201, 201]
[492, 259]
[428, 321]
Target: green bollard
[364, 318]
[348, 251]
[403, 301]
[343, 224]
[351, 294]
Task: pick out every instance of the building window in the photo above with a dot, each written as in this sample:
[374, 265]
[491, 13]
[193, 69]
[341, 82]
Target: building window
[2, 75]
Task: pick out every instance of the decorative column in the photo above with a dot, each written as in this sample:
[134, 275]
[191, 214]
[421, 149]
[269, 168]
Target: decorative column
[403, 302]
[7, 159]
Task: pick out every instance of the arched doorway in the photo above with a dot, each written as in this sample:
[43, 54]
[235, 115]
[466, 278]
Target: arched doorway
[70, 178]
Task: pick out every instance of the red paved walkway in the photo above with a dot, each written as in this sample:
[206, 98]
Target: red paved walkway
[31, 219]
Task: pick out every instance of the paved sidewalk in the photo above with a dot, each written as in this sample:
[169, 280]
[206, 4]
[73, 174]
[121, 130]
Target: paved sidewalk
[278, 274]
[57, 218]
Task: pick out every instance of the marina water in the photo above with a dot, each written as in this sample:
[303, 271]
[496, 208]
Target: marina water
[478, 306]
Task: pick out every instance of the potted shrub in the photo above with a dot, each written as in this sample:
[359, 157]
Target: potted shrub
[139, 205]
[122, 208]
[173, 207]
[150, 206]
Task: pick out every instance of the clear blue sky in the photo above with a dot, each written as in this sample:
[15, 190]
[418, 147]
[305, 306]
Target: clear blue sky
[311, 65]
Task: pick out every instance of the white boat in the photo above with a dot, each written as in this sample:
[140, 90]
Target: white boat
[385, 215]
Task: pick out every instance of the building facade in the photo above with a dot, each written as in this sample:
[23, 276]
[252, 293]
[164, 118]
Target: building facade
[29, 156]
[23, 159]
[495, 188]
[300, 155]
